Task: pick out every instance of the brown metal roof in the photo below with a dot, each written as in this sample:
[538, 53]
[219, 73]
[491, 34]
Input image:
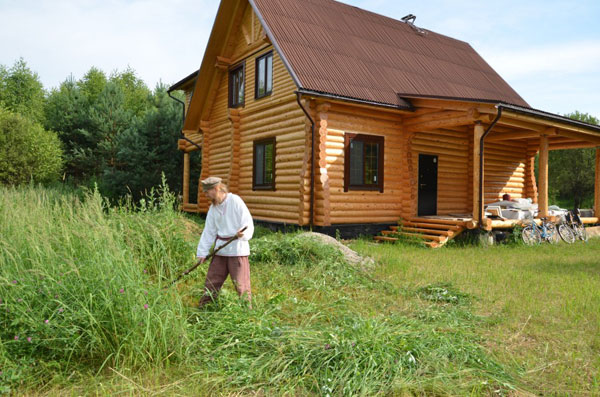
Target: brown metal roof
[342, 50]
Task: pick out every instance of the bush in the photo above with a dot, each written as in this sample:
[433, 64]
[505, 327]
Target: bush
[27, 151]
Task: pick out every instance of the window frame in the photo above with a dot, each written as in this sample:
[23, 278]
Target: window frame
[232, 71]
[380, 140]
[258, 59]
[265, 186]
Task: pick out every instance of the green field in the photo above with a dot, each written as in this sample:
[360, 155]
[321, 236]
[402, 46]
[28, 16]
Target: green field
[82, 311]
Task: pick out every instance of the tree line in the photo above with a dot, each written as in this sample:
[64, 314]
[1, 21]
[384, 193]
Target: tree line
[106, 130]
[114, 132]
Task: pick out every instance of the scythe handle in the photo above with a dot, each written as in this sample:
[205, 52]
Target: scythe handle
[209, 257]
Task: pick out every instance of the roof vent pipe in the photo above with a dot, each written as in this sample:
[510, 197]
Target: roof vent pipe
[410, 21]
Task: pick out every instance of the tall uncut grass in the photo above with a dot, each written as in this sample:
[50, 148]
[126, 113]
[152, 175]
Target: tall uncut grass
[82, 307]
[78, 284]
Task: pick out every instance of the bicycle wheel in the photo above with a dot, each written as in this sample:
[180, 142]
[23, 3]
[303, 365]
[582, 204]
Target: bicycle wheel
[531, 235]
[551, 233]
[566, 234]
[580, 232]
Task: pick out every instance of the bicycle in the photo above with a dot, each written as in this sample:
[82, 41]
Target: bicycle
[534, 234]
[573, 220]
[565, 231]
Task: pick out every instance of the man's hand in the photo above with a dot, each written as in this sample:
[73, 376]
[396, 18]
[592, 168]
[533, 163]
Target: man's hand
[201, 259]
[240, 233]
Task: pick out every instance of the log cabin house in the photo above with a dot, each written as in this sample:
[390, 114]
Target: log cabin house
[324, 115]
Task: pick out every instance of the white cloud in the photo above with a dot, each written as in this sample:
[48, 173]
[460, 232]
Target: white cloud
[159, 40]
[565, 59]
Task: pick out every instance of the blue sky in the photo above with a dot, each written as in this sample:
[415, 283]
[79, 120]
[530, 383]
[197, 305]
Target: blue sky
[549, 51]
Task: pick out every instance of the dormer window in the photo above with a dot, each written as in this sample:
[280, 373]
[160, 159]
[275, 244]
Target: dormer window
[236, 86]
[264, 75]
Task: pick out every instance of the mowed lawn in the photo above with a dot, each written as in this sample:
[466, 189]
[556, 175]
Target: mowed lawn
[542, 304]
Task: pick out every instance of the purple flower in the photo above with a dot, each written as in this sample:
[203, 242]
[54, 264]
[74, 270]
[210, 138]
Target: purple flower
[145, 292]
[145, 271]
[16, 337]
[122, 290]
[46, 321]
[327, 346]
[29, 339]
[14, 281]
[55, 296]
[146, 306]
[61, 310]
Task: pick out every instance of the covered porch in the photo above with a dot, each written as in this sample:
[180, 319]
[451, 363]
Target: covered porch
[539, 133]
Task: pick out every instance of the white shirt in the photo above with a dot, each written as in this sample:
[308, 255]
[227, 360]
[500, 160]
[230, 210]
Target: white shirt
[225, 220]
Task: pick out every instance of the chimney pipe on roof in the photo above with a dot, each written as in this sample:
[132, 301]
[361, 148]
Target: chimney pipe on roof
[410, 21]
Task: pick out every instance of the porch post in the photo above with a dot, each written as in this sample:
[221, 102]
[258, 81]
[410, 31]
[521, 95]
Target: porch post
[478, 132]
[543, 176]
[186, 178]
[597, 185]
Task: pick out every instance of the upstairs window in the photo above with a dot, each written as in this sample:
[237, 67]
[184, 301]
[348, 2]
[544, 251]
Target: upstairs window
[264, 75]
[236, 86]
[363, 162]
[263, 166]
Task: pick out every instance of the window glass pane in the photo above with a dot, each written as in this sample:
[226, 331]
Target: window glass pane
[269, 172]
[259, 156]
[270, 73]
[371, 163]
[356, 163]
[260, 89]
[240, 86]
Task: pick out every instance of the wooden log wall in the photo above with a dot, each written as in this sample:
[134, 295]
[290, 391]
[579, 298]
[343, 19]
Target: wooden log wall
[408, 172]
[530, 181]
[228, 153]
[452, 149]
[322, 187]
[357, 206]
[505, 170]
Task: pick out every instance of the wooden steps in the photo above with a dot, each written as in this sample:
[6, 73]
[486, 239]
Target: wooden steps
[434, 232]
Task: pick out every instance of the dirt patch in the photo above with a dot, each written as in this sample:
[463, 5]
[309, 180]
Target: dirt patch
[351, 256]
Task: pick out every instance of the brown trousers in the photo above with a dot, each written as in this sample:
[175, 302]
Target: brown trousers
[222, 266]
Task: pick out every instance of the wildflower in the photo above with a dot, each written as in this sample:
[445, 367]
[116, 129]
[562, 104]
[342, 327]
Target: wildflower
[146, 306]
[145, 292]
[122, 290]
[61, 310]
[46, 321]
[14, 281]
[145, 271]
[16, 337]
[29, 339]
[19, 300]
[327, 346]
[55, 296]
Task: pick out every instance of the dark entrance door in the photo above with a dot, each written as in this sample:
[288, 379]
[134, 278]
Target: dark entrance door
[428, 171]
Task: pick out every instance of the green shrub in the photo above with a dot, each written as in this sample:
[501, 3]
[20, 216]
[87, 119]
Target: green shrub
[27, 151]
